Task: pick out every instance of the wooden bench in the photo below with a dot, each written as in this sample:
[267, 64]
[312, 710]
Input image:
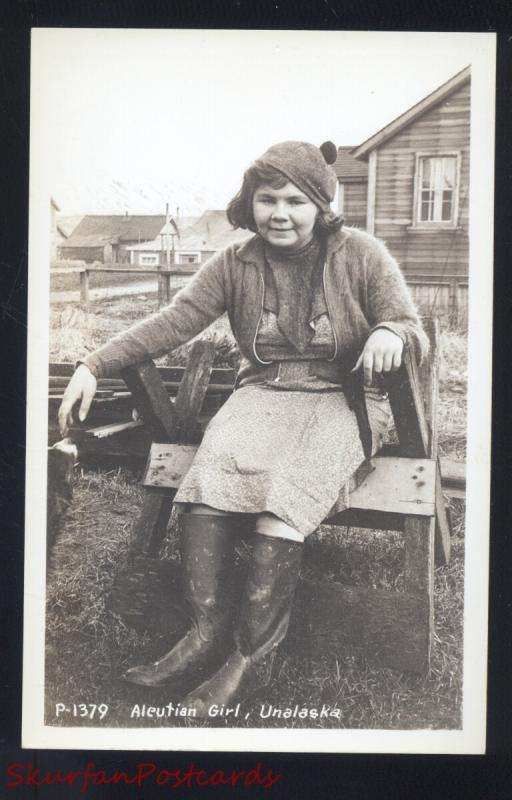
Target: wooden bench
[402, 492]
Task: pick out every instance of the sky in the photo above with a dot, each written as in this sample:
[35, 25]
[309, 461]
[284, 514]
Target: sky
[125, 120]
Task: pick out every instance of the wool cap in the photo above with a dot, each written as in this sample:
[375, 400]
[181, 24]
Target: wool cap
[307, 166]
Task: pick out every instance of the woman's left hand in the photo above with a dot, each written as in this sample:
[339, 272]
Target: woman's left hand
[381, 353]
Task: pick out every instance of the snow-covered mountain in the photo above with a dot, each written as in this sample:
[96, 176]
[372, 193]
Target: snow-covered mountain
[114, 196]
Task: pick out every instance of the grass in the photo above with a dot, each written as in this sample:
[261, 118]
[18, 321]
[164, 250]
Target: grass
[88, 646]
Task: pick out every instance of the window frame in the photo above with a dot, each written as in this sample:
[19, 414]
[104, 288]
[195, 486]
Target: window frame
[148, 255]
[419, 224]
[186, 254]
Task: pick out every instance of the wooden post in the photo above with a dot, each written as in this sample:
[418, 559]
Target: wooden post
[429, 379]
[419, 574]
[167, 292]
[453, 302]
[152, 401]
[372, 190]
[84, 287]
[61, 461]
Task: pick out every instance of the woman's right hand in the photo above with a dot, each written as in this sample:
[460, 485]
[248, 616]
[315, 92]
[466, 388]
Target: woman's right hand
[82, 386]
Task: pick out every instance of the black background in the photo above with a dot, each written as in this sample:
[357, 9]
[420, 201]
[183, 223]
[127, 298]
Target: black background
[486, 777]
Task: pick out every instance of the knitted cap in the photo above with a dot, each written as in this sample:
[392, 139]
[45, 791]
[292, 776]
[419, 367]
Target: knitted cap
[307, 166]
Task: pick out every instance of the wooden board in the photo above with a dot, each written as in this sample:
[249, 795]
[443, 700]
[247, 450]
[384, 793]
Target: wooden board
[419, 534]
[168, 464]
[405, 397]
[398, 485]
[116, 427]
[193, 387]
[151, 400]
[443, 526]
[168, 374]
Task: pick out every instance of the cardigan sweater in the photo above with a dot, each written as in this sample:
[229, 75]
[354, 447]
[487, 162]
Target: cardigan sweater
[363, 285]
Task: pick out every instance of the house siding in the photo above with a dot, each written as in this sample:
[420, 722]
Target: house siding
[88, 254]
[435, 262]
[354, 203]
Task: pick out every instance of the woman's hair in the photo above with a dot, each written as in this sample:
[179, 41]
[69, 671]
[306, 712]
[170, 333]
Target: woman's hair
[239, 210]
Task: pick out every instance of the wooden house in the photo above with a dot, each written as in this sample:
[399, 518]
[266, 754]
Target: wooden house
[417, 194]
[106, 237]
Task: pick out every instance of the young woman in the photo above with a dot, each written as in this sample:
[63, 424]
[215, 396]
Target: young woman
[317, 310]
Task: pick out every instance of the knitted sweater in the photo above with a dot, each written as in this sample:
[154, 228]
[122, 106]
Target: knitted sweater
[291, 281]
[364, 289]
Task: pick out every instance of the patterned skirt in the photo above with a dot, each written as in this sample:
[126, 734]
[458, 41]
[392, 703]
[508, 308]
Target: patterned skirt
[289, 453]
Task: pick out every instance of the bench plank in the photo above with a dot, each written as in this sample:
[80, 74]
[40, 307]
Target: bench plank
[398, 485]
[168, 464]
[394, 486]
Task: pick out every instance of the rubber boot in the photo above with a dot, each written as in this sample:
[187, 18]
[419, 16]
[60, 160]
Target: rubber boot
[262, 625]
[207, 562]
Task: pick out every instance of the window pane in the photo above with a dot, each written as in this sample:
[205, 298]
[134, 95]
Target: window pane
[437, 188]
[449, 172]
[447, 206]
[427, 206]
[426, 172]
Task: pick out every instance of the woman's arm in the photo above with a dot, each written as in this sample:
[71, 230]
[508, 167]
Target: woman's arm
[192, 309]
[391, 314]
[390, 305]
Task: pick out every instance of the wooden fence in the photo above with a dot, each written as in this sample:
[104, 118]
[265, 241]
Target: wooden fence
[445, 297]
[163, 277]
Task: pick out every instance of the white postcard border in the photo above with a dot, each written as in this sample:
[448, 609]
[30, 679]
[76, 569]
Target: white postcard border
[471, 739]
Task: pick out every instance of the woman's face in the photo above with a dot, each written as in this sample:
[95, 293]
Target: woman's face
[285, 217]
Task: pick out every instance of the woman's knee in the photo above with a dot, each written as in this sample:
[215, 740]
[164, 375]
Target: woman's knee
[269, 525]
[201, 508]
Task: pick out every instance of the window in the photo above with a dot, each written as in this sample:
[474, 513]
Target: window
[437, 190]
[147, 260]
[188, 258]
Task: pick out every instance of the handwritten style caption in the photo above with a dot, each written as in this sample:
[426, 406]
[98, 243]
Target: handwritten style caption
[25, 774]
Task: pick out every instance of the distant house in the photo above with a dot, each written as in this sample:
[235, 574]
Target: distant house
[194, 244]
[106, 238]
[416, 193]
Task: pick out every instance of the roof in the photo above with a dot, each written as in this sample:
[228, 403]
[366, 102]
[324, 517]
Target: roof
[211, 231]
[99, 230]
[398, 124]
[67, 224]
[347, 167]
[54, 204]
[185, 222]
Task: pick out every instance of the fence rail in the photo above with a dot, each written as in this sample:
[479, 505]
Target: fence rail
[444, 296]
[163, 277]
